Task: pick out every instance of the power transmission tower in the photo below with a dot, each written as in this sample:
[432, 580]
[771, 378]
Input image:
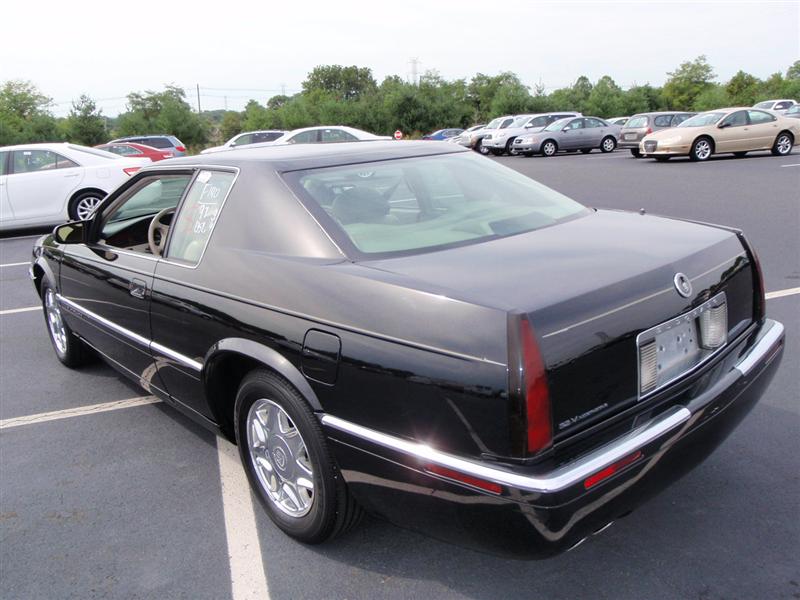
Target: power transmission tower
[414, 62]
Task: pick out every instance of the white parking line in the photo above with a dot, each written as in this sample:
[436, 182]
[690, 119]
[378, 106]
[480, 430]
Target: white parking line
[15, 264]
[79, 411]
[793, 165]
[13, 311]
[782, 293]
[248, 580]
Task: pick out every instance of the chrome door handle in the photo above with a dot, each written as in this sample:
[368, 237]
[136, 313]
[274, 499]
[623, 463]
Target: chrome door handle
[138, 289]
[71, 174]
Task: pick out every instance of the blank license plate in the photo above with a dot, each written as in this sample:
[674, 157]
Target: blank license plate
[630, 136]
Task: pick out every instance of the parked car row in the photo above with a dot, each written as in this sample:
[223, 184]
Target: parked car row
[323, 134]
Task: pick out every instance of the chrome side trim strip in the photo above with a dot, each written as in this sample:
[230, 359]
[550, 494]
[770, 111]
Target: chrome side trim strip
[765, 345]
[151, 345]
[177, 356]
[562, 478]
[103, 321]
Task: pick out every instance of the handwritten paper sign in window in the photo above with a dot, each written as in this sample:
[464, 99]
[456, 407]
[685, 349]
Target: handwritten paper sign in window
[198, 215]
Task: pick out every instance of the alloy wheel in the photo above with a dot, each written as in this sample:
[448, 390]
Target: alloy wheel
[549, 149]
[86, 206]
[280, 458]
[784, 144]
[55, 322]
[702, 150]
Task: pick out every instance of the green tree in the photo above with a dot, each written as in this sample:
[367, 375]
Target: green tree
[344, 83]
[85, 123]
[606, 99]
[277, 101]
[231, 125]
[742, 89]
[25, 115]
[642, 98]
[713, 96]
[687, 82]
[793, 72]
[482, 89]
[164, 112]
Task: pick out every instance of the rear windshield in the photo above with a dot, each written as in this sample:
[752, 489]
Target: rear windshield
[767, 104]
[159, 142]
[636, 122]
[419, 204]
[702, 120]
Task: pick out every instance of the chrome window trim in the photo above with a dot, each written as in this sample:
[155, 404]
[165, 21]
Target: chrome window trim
[149, 344]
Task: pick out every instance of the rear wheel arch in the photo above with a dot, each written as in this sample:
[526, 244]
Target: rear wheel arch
[228, 363]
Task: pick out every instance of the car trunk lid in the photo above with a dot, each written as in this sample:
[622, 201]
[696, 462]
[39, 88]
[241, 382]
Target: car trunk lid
[589, 287]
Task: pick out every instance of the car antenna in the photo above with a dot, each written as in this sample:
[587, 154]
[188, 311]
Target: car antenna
[642, 211]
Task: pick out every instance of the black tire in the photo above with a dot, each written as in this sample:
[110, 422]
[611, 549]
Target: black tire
[82, 203]
[333, 510]
[497, 151]
[69, 349]
[783, 144]
[508, 146]
[702, 149]
[740, 154]
[635, 153]
[586, 150]
[609, 144]
[527, 153]
[662, 158]
[549, 148]
[480, 148]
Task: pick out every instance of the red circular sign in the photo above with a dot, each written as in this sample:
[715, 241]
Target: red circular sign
[398, 135]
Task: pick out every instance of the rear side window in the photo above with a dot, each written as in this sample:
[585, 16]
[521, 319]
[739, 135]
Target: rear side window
[782, 105]
[540, 121]
[662, 121]
[637, 122]
[268, 136]
[30, 161]
[678, 119]
[198, 215]
[3, 160]
[305, 137]
[336, 135]
[758, 117]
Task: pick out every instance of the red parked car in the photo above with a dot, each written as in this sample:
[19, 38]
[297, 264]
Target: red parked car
[129, 149]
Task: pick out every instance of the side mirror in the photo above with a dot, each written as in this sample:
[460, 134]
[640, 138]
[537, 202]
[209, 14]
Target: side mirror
[71, 233]
[723, 125]
[566, 129]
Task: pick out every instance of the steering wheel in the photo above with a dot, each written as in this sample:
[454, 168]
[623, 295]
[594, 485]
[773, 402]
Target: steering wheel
[157, 246]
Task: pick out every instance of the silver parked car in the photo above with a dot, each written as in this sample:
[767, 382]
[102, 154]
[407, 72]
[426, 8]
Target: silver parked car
[643, 124]
[570, 134]
[503, 141]
[467, 139]
[777, 106]
[494, 126]
[793, 113]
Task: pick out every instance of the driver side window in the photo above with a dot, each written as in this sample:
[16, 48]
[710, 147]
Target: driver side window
[127, 219]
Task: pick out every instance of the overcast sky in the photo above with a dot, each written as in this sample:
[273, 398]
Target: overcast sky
[240, 50]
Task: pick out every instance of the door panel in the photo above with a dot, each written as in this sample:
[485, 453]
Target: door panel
[735, 137]
[38, 189]
[107, 295]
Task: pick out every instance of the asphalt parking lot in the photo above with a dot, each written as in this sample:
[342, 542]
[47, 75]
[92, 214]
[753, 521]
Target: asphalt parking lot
[129, 499]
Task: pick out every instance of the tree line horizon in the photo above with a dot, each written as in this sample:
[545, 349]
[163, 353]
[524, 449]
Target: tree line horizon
[350, 95]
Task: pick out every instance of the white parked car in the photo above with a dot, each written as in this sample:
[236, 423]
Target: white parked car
[326, 134]
[777, 106]
[45, 184]
[247, 138]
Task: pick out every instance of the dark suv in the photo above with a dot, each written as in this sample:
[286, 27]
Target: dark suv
[644, 124]
[163, 142]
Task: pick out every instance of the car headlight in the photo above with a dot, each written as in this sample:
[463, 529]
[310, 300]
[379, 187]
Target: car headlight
[526, 139]
[488, 137]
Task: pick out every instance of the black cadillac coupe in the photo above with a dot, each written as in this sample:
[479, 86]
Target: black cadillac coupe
[417, 331]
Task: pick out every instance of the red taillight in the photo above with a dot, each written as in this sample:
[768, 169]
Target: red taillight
[482, 484]
[537, 396]
[593, 480]
[131, 170]
[180, 148]
[649, 131]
